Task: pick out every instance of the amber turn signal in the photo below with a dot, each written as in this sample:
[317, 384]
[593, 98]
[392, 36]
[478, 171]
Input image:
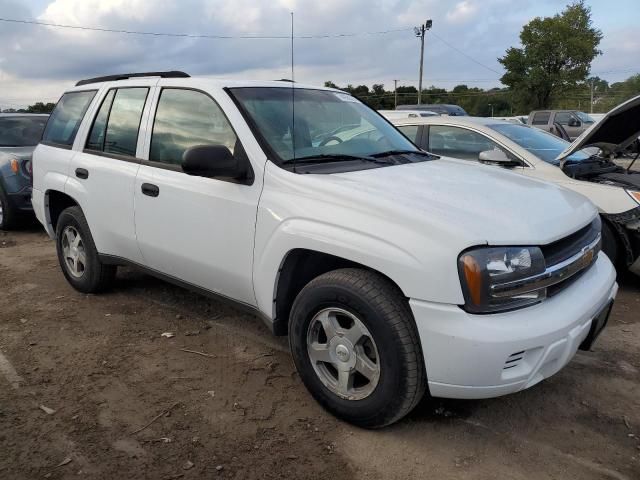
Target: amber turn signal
[473, 276]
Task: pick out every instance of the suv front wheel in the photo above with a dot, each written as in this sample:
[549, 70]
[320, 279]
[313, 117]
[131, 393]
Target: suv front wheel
[78, 256]
[355, 345]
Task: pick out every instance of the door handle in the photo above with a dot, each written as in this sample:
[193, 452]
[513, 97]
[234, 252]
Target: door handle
[150, 190]
[82, 173]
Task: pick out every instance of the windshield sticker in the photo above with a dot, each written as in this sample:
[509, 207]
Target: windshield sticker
[346, 98]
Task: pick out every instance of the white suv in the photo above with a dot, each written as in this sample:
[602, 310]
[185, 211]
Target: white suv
[392, 271]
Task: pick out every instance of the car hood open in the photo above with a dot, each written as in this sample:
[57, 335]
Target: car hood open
[617, 130]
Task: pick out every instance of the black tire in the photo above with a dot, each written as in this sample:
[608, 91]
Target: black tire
[384, 311]
[9, 215]
[96, 276]
[610, 244]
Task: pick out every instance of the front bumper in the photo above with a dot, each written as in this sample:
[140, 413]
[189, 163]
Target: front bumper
[482, 356]
[21, 200]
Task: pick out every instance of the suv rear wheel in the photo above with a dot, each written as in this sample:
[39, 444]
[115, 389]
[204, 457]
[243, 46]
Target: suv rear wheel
[356, 347]
[78, 256]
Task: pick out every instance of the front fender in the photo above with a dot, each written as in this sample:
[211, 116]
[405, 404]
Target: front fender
[403, 268]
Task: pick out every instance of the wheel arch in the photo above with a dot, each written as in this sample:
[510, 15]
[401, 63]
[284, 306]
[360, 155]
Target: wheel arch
[55, 203]
[297, 269]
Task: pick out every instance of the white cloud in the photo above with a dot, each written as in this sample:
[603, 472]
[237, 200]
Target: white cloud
[463, 12]
[40, 61]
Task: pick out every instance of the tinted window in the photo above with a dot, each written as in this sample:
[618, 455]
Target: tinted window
[563, 118]
[541, 118]
[96, 137]
[21, 131]
[458, 142]
[186, 118]
[65, 120]
[540, 143]
[410, 131]
[121, 136]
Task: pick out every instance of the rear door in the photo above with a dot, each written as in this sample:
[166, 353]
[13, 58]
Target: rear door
[102, 175]
[542, 120]
[197, 230]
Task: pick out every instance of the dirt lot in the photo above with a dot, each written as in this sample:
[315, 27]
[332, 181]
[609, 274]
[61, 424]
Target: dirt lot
[101, 363]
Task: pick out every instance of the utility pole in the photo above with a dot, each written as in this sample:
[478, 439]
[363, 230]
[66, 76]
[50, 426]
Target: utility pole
[591, 110]
[420, 31]
[395, 94]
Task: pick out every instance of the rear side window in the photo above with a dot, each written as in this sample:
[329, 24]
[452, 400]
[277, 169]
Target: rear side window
[410, 131]
[541, 118]
[65, 120]
[186, 118]
[117, 123]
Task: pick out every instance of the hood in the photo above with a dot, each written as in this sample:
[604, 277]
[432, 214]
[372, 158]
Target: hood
[468, 203]
[617, 130]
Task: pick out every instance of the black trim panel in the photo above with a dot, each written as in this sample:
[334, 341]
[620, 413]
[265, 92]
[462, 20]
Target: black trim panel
[115, 260]
[56, 145]
[115, 156]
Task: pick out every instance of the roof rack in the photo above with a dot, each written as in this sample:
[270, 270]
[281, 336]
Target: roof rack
[124, 76]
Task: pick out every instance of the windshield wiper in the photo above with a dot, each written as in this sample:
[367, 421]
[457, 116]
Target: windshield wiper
[336, 157]
[389, 153]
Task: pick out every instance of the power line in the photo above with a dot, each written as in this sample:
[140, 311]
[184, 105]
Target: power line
[192, 35]
[464, 54]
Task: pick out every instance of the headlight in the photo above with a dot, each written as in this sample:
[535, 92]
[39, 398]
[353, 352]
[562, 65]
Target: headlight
[482, 269]
[634, 194]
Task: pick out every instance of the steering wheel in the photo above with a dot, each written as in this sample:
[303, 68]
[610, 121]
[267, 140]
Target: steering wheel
[328, 139]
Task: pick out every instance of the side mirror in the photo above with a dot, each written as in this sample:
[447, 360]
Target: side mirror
[497, 157]
[574, 122]
[211, 161]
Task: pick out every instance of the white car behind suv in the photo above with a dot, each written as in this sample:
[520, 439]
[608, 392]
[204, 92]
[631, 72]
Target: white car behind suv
[392, 272]
[584, 166]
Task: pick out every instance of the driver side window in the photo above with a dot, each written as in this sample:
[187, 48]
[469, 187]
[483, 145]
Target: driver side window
[459, 142]
[184, 119]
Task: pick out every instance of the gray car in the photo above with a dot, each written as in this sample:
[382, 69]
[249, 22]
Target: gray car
[19, 135]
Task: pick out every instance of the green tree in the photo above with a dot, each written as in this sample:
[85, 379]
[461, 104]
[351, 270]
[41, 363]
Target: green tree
[40, 107]
[555, 56]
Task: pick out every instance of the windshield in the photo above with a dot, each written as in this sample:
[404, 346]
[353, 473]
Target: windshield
[21, 131]
[326, 123]
[584, 118]
[540, 143]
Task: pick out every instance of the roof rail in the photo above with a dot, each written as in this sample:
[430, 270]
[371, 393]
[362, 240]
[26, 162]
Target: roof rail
[124, 76]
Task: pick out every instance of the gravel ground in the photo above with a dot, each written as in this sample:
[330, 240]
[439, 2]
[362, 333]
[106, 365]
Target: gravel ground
[122, 401]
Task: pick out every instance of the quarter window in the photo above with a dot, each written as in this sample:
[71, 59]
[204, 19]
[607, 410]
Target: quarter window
[541, 118]
[186, 118]
[65, 120]
[115, 128]
[458, 142]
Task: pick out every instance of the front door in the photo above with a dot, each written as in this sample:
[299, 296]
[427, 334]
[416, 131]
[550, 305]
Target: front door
[194, 229]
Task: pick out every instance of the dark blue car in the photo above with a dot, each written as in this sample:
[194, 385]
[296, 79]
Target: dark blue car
[19, 135]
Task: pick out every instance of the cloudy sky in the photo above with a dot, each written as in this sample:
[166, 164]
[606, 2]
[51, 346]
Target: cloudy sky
[39, 62]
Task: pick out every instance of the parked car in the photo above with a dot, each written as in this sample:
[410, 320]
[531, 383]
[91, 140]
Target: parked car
[389, 114]
[19, 134]
[440, 109]
[393, 272]
[518, 119]
[574, 122]
[538, 154]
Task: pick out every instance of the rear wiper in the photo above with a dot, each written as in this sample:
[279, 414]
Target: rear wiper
[389, 153]
[336, 157]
